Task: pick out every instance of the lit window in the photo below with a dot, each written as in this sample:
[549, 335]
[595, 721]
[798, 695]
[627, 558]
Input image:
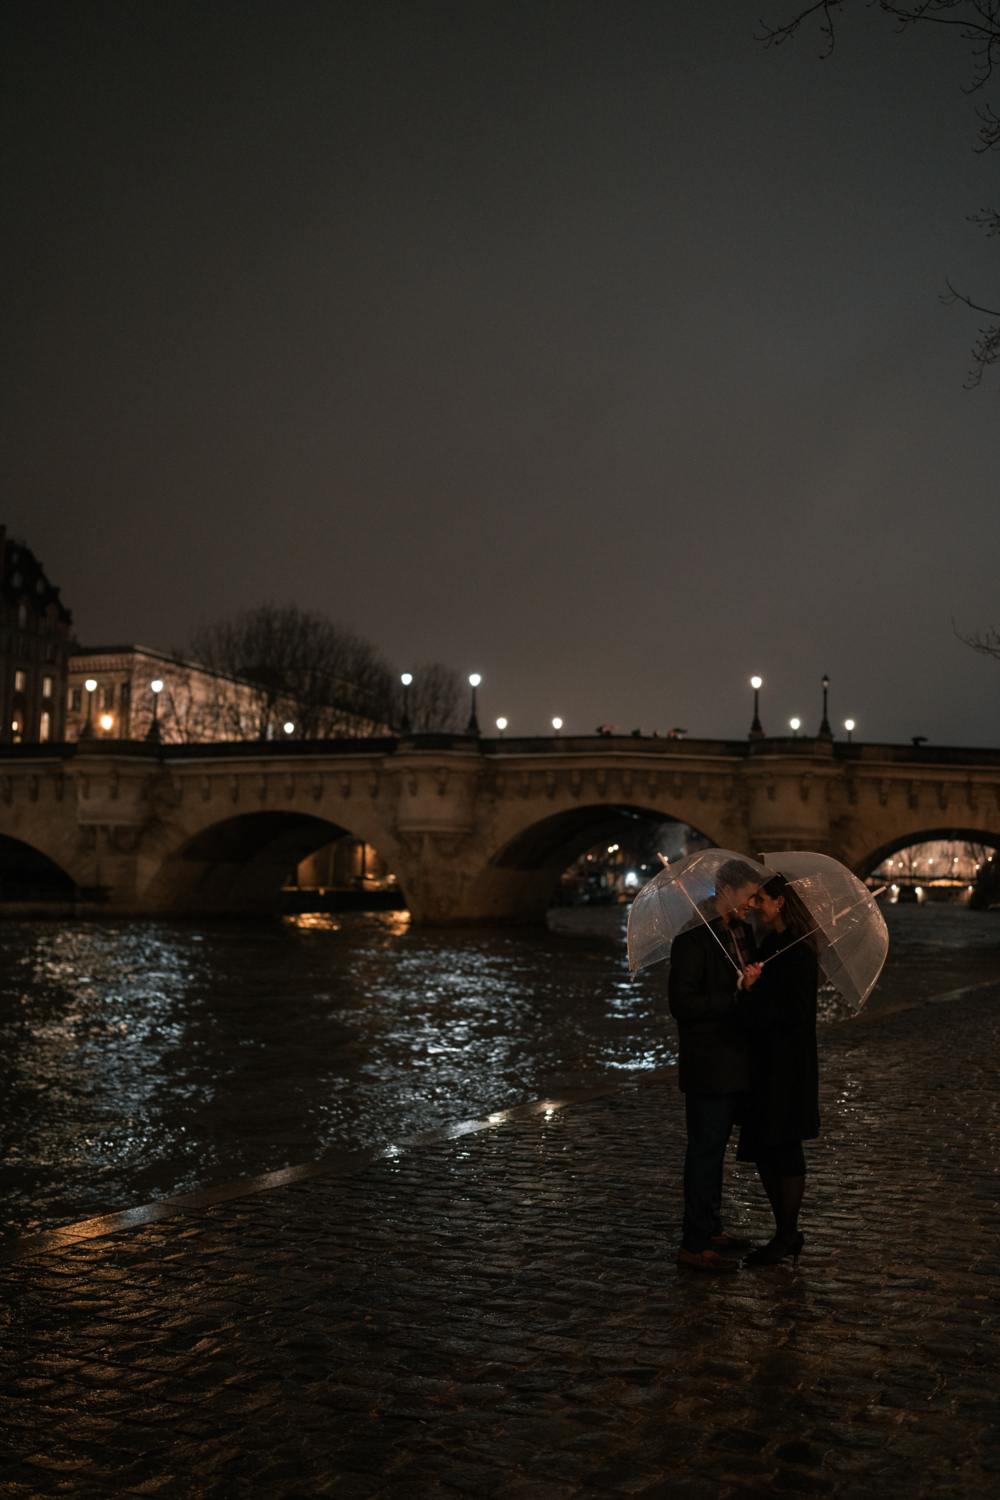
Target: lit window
[75, 699]
[45, 727]
[20, 682]
[46, 687]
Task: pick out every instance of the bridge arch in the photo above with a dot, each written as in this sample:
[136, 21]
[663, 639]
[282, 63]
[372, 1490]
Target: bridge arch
[240, 863]
[27, 873]
[523, 874]
[954, 835]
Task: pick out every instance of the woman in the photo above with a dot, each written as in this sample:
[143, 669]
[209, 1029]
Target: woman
[777, 1010]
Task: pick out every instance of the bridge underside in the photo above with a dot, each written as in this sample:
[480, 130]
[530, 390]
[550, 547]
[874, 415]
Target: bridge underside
[519, 883]
[239, 864]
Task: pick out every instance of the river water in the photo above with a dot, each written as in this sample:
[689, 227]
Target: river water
[141, 1057]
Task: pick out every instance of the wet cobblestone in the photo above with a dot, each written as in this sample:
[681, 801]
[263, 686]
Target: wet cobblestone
[501, 1315]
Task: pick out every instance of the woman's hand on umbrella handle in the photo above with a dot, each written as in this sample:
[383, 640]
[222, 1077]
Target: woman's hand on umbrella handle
[750, 975]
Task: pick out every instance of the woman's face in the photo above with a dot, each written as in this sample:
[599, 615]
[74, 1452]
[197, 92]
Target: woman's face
[768, 907]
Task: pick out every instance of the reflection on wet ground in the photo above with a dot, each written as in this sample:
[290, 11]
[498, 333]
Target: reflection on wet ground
[144, 1057]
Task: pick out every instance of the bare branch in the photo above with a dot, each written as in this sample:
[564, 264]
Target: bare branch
[976, 21]
[986, 642]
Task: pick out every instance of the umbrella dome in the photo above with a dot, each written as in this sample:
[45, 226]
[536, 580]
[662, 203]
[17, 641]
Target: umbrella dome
[852, 937]
[680, 897]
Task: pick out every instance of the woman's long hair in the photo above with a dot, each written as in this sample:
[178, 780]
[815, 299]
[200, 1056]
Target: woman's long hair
[799, 921]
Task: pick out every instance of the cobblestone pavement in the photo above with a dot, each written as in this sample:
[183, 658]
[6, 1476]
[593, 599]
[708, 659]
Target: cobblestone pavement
[501, 1314]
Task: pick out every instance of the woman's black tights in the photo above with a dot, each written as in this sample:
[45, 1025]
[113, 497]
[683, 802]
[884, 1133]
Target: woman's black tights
[785, 1197]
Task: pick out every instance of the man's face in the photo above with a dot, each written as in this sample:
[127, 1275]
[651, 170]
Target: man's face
[734, 901]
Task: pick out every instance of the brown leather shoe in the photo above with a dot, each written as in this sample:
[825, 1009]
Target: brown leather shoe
[730, 1242]
[706, 1260]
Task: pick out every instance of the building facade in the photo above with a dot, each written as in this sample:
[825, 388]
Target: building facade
[35, 642]
[193, 704]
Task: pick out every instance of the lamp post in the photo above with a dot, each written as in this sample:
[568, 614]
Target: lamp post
[406, 679]
[825, 732]
[849, 726]
[557, 725]
[87, 732]
[153, 732]
[501, 726]
[796, 725]
[756, 728]
[474, 681]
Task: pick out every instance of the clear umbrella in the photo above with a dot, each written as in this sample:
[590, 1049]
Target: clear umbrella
[684, 895]
[850, 930]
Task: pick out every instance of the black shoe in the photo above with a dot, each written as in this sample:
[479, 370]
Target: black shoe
[771, 1253]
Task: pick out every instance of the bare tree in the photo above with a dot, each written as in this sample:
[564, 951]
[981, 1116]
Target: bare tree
[436, 699]
[974, 21]
[284, 664]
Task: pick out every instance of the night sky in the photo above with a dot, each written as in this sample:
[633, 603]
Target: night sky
[590, 346]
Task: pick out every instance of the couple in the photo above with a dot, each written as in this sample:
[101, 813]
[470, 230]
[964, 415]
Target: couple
[747, 1056]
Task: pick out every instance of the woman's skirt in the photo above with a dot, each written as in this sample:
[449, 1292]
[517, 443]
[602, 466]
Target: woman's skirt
[780, 1158]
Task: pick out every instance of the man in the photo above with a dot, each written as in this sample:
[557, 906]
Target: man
[706, 965]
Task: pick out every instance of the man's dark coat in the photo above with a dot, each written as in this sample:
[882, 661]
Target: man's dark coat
[701, 991]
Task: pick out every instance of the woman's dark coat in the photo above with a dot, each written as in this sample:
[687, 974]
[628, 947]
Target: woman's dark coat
[778, 1018]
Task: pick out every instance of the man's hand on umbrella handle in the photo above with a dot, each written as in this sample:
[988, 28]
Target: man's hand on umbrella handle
[749, 976]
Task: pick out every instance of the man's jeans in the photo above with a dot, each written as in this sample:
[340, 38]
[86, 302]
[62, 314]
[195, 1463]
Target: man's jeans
[709, 1126]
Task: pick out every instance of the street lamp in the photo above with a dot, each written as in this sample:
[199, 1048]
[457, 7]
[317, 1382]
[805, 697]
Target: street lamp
[153, 732]
[501, 725]
[474, 681]
[406, 679]
[824, 728]
[87, 732]
[557, 725]
[288, 727]
[756, 729]
[106, 722]
[796, 725]
[849, 726]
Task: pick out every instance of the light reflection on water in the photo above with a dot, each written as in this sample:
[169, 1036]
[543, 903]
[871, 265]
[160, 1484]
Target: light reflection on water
[146, 1057]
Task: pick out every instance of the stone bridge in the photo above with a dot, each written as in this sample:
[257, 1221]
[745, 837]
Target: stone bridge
[476, 830]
